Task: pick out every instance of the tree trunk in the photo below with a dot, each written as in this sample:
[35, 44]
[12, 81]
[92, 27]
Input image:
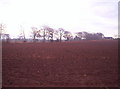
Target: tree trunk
[60, 37]
[44, 35]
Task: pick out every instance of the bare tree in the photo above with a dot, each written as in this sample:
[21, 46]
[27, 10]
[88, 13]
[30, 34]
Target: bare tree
[44, 29]
[78, 35]
[2, 29]
[48, 33]
[22, 33]
[56, 34]
[34, 32]
[61, 33]
[100, 35]
[84, 35]
[68, 35]
[6, 37]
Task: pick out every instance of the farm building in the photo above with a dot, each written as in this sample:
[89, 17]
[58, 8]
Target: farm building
[108, 38]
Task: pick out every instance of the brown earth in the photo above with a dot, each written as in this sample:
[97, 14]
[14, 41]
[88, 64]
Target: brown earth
[65, 64]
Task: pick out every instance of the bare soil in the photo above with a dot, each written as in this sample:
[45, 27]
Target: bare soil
[65, 64]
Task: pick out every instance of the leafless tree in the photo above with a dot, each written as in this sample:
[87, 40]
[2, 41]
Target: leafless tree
[78, 35]
[100, 35]
[48, 33]
[67, 35]
[6, 37]
[2, 29]
[61, 33]
[34, 32]
[56, 34]
[22, 33]
[44, 29]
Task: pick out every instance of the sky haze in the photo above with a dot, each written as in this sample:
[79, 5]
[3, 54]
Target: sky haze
[72, 15]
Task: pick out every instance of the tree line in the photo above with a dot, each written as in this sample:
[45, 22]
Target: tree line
[50, 34]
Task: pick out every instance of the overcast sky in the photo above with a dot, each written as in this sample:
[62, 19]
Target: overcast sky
[72, 15]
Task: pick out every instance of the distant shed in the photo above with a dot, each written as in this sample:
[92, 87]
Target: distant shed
[108, 38]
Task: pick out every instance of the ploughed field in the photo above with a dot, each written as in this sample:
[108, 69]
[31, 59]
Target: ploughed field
[65, 64]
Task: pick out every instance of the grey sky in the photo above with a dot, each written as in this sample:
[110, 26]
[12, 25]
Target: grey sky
[72, 15]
